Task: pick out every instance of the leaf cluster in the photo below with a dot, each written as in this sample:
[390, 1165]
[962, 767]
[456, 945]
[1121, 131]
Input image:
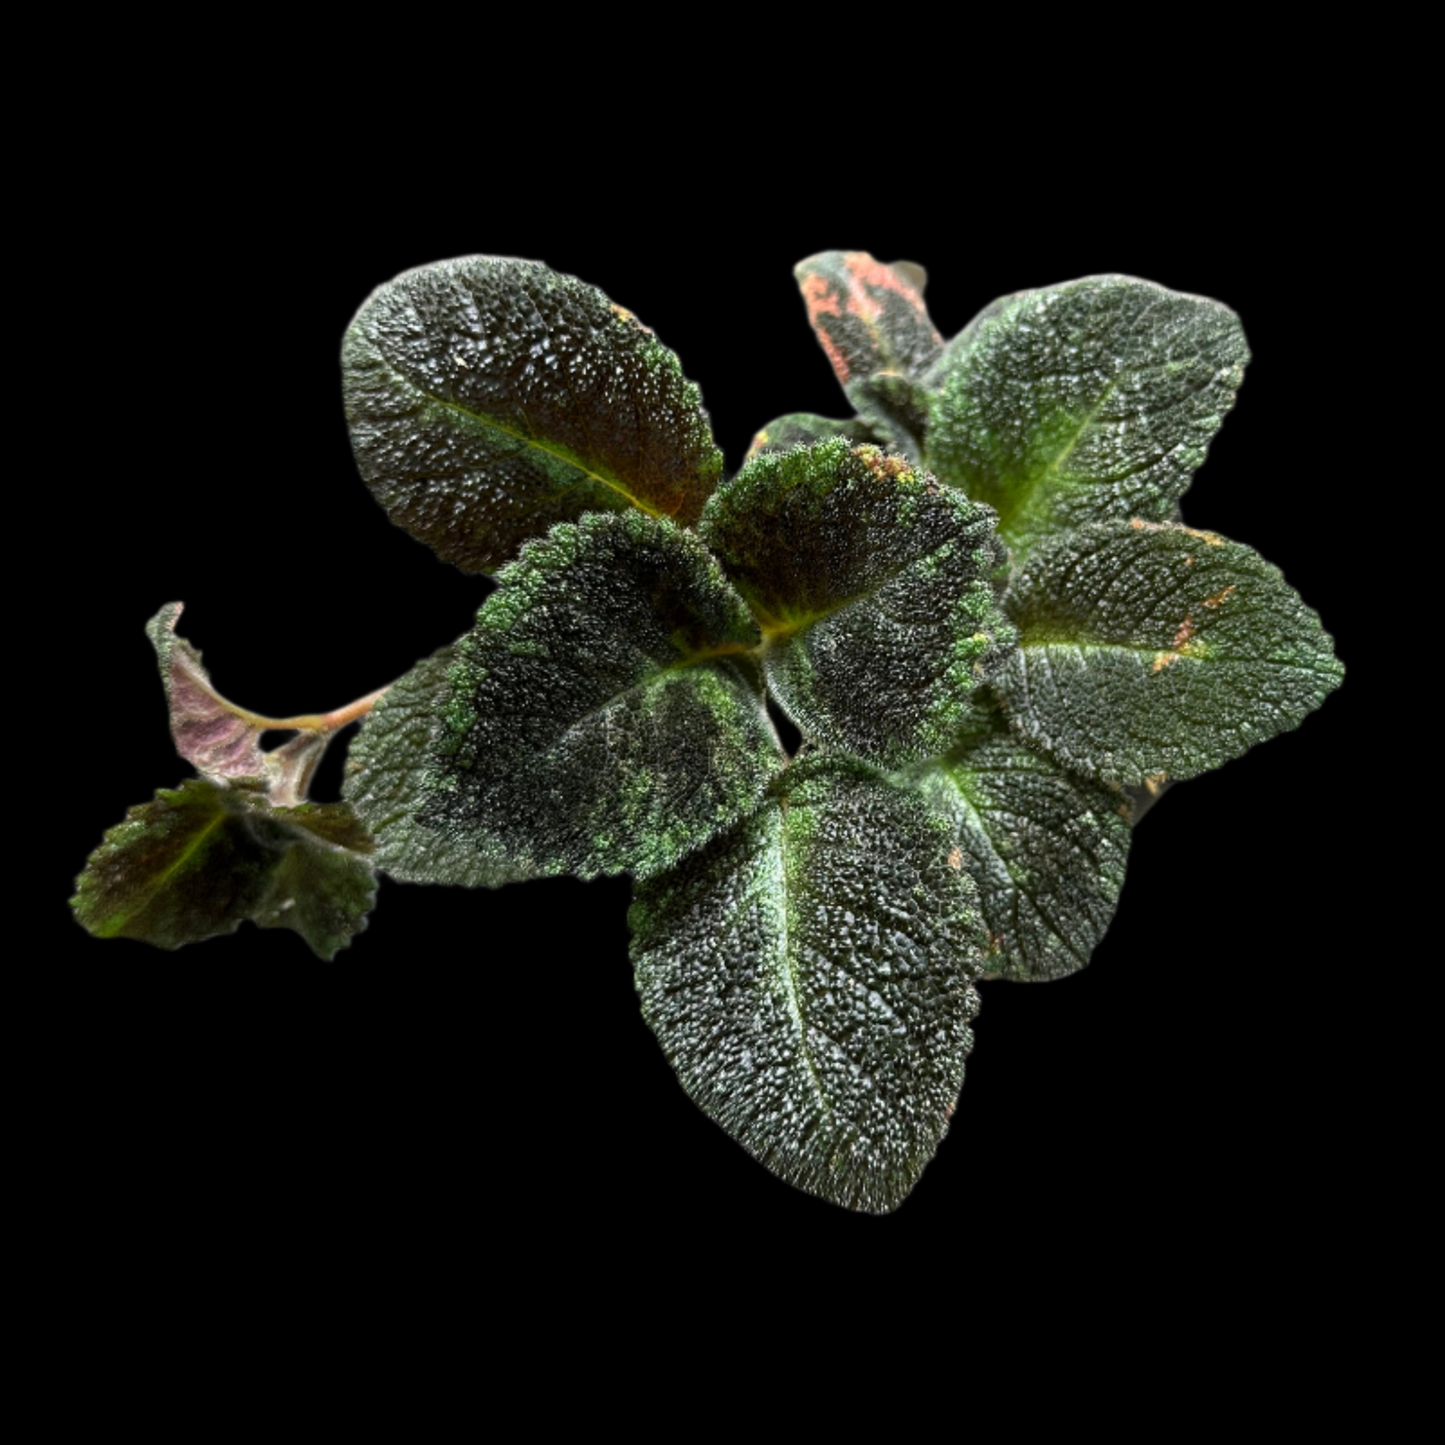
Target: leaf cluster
[974, 599]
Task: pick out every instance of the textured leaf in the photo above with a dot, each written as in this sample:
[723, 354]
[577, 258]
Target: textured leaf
[197, 860]
[216, 737]
[604, 713]
[1045, 847]
[388, 778]
[868, 317]
[1082, 403]
[872, 585]
[1149, 649]
[874, 329]
[489, 398]
[808, 976]
[222, 740]
[802, 429]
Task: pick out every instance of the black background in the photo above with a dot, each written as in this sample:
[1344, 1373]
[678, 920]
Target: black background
[471, 1081]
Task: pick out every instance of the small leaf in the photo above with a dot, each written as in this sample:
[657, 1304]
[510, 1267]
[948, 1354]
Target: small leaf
[1045, 847]
[808, 975]
[1150, 649]
[1083, 402]
[216, 737]
[197, 860]
[873, 586]
[387, 781]
[802, 429]
[874, 328]
[604, 714]
[868, 317]
[489, 398]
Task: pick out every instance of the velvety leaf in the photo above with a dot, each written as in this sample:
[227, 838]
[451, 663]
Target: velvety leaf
[197, 860]
[808, 975]
[387, 781]
[1045, 847]
[216, 737]
[867, 316]
[604, 713]
[802, 429]
[873, 588]
[489, 398]
[1151, 649]
[222, 740]
[896, 409]
[1083, 402]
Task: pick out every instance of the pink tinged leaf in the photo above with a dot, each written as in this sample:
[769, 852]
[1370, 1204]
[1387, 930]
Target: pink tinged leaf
[219, 739]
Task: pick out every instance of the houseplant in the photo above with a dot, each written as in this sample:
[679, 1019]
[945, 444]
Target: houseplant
[873, 467]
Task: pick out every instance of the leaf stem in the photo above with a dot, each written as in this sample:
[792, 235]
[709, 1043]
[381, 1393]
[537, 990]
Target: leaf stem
[315, 722]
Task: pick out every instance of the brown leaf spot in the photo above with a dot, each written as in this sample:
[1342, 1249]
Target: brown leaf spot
[955, 858]
[1186, 631]
[1163, 660]
[883, 464]
[1219, 598]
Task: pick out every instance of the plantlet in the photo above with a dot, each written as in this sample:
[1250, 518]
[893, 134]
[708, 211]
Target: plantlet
[974, 599]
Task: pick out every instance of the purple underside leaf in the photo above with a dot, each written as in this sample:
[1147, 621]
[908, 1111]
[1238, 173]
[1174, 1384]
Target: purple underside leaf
[216, 737]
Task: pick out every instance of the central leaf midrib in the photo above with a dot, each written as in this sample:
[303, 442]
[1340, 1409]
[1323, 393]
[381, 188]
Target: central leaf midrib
[1022, 496]
[484, 420]
[776, 635]
[790, 973]
[158, 882]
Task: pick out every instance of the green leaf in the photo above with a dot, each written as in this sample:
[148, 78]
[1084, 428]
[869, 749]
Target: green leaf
[1149, 649]
[1082, 403]
[1045, 847]
[489, 398]
[802, 429]
[809, 974]
[387, 781]
[604, 713]
[874, 328]
[868, 317]
[873, 587]
[197, 860]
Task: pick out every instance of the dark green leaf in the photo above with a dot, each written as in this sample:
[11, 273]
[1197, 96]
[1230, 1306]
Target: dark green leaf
[895, 409]
[873, 587]
[1083, 402]
[809, 977]
[1046, 848]
[388, 780]
[1149, 649]
[604, 714]
[197, 860]
[874, 328]
[802, 429]
[489, 398]
[868, 317]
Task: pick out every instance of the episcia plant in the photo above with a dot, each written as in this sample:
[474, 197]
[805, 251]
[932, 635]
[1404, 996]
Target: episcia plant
[974, 600]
